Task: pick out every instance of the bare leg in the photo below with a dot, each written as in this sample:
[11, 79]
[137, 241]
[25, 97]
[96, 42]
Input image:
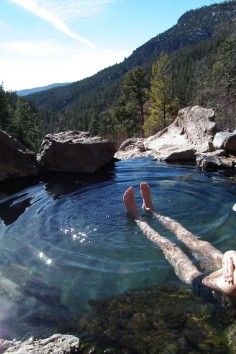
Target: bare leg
[183, 266]
[210, 257]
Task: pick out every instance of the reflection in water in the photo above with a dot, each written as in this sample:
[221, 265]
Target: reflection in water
[60, 184]
[29, 306]
[11, 210]
[73, 242]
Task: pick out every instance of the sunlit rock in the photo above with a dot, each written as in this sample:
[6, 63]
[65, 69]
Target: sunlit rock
[226, 141]
[130, 148]
[191, 132]
[56, 344]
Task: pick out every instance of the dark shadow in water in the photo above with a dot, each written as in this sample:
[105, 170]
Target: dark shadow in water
[16, 185]
[10, 211]
[58, 184]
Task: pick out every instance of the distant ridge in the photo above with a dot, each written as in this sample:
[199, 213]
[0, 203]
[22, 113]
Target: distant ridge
[26, 92]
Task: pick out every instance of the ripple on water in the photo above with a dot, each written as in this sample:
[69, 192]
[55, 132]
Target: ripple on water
[71, 237]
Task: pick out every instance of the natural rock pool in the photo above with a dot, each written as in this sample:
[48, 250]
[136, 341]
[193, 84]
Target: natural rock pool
[66, 240]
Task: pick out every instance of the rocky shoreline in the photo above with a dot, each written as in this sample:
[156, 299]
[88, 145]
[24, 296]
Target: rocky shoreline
[192, 137]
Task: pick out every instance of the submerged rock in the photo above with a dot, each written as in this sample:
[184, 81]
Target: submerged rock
[75, 151]
[169, 320]
[15, 159]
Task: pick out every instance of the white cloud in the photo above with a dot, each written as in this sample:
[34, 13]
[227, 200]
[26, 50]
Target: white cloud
[34, 7]
[76, 8]
[46, 62]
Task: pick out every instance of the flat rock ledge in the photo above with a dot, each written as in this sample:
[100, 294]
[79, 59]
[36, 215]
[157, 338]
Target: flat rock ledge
[75, 151]
[56, 344]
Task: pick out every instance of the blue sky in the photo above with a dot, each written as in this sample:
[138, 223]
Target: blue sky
[48, 41]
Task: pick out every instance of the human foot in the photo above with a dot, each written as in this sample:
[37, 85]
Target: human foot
[146, 195]
[130, 203]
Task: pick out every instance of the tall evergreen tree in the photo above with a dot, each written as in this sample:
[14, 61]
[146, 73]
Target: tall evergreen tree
[26, 124]
[163, 104]
[129, 114]
[135, 90]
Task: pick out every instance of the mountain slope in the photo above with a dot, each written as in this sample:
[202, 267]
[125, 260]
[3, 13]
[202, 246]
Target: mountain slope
[26, 92]
[86, 99]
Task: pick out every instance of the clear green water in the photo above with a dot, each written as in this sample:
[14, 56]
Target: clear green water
[64, 240]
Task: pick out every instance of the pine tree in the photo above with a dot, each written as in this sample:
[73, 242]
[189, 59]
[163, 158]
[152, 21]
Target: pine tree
[129, 114]
[135, 90]
[163, 104]
[26, 124]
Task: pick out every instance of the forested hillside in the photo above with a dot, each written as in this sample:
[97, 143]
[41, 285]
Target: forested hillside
[191, 63]
[20, 119]
[201, 49]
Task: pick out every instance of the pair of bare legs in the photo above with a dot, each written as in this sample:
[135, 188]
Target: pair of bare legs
[223, 278]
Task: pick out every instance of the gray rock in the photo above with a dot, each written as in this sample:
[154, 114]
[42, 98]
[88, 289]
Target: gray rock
[15, 159]
[56, 344]
[74, 151]
[208, 162]
[180, 155]
[130, 148]
[131, 142]
[226, 141]
[213, 161]
[198, 124]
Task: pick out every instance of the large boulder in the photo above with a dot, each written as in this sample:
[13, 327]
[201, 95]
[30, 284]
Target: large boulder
[75, 151]
[15, 159]
[56, 344]
[226, 141]
[191, 132]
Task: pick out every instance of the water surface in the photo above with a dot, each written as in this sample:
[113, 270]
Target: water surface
[65, 240]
